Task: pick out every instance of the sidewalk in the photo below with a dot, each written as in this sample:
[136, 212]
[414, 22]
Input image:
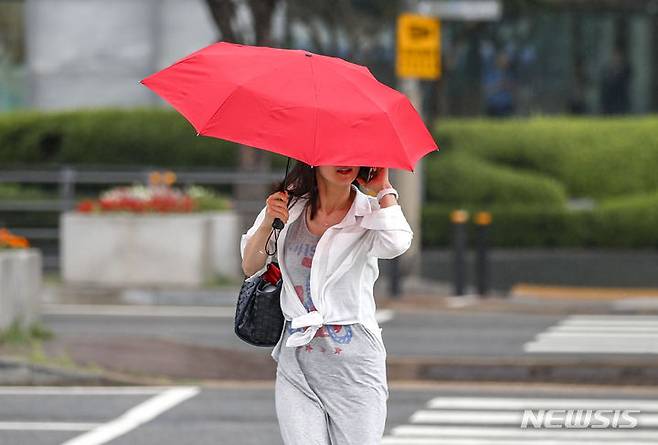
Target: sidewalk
[524, 298]
[522, 303]
[157, 359]
[418, 295]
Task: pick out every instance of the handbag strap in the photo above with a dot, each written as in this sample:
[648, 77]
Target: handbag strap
[276, 241]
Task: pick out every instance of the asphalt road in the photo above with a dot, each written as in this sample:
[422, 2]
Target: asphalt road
[432, 333]
[405, 334]
[442, 414]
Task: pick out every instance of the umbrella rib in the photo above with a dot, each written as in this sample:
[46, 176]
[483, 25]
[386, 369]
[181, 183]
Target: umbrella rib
[395, 130]
[237, 87]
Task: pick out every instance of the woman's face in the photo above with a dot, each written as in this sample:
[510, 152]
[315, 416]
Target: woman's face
[338, 174]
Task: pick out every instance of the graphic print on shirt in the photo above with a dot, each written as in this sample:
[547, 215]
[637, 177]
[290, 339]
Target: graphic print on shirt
[300, 249]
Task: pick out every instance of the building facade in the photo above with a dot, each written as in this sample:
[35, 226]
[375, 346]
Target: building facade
[570, 57]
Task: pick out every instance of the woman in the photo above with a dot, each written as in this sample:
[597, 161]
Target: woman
[331, 386]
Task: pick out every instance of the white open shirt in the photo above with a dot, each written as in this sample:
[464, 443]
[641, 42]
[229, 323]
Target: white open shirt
[344, 268]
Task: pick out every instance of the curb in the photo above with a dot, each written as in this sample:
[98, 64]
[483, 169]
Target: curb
[581, 293]
[520, 304]
[522, 298]
[18, 372]
[525, 370]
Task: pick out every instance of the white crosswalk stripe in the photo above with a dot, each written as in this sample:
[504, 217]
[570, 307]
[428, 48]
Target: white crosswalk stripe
[611, 334]
[497, 421]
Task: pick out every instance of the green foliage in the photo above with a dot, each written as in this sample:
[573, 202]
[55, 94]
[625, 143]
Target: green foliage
[592, 156]
[109, 136]
[512, 226]
[630, 221]
[622, 223]
[521, 169]
[207, 200]
[461, 178]
[17, 334]
[20, 192]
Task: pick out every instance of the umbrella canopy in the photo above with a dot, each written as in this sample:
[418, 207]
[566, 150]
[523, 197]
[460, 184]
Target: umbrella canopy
[318, 109]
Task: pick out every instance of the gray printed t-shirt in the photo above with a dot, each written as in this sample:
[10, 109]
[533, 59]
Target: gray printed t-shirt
[299, 251]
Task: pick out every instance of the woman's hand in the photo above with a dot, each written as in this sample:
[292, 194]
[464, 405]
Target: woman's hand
[378, 182]
[277, 207]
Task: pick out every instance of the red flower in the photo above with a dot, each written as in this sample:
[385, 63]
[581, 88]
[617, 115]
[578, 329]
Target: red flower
[86, 205]
[160, 199]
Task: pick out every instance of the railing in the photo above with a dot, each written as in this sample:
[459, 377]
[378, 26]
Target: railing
[67, 178]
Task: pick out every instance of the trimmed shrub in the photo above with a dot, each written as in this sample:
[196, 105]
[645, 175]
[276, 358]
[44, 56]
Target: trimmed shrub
[461, 178]
[520, 169]
[630, 221]
[620, 223]
[17, 192]
[592, 156]
[108, 136]
[512, 226]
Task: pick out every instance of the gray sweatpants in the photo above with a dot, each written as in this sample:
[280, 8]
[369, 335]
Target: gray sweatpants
[332, 394]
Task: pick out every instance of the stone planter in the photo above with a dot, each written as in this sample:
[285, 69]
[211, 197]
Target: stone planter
[20, 286]
[225, 244]
[155, 250]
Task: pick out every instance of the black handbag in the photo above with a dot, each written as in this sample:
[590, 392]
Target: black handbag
[258, 317]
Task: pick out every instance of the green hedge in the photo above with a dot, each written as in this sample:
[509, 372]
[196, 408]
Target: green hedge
[18, 192]
[460, 178]
[592, 156]
[621, 223]
[595, 157]
[512, 226]
[629, 221]
[503, 166]
[520, 169]
[102, 136]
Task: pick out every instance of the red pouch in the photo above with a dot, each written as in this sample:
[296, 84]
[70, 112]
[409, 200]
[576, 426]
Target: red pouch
[272, 274]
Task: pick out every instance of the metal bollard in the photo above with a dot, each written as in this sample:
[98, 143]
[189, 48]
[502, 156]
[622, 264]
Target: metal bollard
[459, 219]
[483, 221]
[67, 188]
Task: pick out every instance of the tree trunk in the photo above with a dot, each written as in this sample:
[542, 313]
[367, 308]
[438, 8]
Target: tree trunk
[654, 64]
[250, 197]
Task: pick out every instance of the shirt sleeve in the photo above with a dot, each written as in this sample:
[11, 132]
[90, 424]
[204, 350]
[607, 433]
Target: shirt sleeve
[391, 234]
[247, 236]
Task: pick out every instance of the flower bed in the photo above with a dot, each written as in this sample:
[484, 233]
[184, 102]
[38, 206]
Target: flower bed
[154, 235]
[10, 241]
[157, 197]
[20, 280]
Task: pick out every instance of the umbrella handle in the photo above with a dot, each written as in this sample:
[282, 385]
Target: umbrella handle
[277, 224]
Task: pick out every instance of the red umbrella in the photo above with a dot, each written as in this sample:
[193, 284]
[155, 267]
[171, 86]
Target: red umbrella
[318, 109]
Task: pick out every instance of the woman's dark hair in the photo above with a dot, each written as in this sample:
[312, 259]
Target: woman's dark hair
[302, 183]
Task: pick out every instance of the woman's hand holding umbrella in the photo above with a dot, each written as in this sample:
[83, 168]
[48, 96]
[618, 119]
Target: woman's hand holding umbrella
[277, 207]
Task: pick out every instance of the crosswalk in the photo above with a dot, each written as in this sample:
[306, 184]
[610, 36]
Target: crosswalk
[496, 420]
[610, 334]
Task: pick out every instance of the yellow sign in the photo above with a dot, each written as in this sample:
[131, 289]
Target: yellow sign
[418, 46]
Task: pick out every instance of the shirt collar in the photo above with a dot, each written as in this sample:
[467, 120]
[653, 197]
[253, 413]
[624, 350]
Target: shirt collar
[360, 206]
